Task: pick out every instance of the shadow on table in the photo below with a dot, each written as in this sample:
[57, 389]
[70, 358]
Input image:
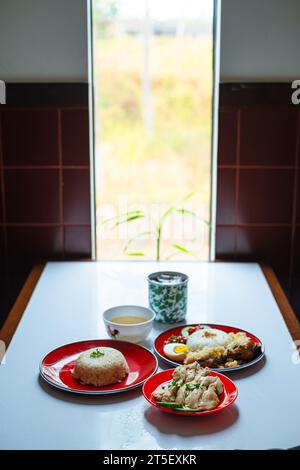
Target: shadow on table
[181, 426]
[89, 399]
[247, 372]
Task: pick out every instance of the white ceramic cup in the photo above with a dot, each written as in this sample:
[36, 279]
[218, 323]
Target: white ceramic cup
[133, 332]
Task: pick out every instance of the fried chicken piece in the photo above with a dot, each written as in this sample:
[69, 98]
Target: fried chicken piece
[187, 373]
[240, 349]
[181, 395]
[231, 363]
[211, 380]
[209, 399]
[194, 398]
[165, 393]
[206, 354]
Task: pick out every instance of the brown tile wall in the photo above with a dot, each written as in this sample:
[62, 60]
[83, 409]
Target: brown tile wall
[258, 189]
[44, 181]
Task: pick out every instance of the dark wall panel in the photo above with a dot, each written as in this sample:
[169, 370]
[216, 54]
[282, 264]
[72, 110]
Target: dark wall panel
[258, 195]
[44, 180]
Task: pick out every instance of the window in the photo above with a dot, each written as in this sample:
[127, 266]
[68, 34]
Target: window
[153, 89]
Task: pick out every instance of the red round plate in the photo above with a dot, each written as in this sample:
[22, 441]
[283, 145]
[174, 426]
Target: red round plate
[227, 398]
[57, 367]
[159, 344]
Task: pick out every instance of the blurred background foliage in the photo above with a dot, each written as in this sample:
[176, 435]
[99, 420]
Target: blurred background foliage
[161, 167]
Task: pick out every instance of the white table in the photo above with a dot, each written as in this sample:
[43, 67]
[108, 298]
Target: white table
[66, 306]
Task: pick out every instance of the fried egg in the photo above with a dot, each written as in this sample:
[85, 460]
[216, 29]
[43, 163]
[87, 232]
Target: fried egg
[176, 351]
[210, 337]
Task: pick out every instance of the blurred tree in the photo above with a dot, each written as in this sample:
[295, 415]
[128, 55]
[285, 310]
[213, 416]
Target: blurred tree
[104, 13]
[146, 84]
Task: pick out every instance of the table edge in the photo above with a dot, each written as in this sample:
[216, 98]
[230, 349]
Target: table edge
[283, 303]
[15, 315]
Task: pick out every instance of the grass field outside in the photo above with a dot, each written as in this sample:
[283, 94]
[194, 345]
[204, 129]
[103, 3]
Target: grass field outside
[148, 172]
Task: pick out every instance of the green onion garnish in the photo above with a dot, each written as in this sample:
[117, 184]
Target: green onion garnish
[96, 353]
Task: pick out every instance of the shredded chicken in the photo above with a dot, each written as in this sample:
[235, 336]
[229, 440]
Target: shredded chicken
[192, 387]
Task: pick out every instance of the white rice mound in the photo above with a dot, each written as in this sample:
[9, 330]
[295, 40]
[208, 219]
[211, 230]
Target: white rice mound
[107, 369]
[207, 337]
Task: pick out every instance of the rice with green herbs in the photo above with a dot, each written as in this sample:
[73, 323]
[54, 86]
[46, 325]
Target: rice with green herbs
[100, 366]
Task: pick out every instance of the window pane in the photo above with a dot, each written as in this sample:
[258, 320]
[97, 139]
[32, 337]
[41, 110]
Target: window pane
[153, 80]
